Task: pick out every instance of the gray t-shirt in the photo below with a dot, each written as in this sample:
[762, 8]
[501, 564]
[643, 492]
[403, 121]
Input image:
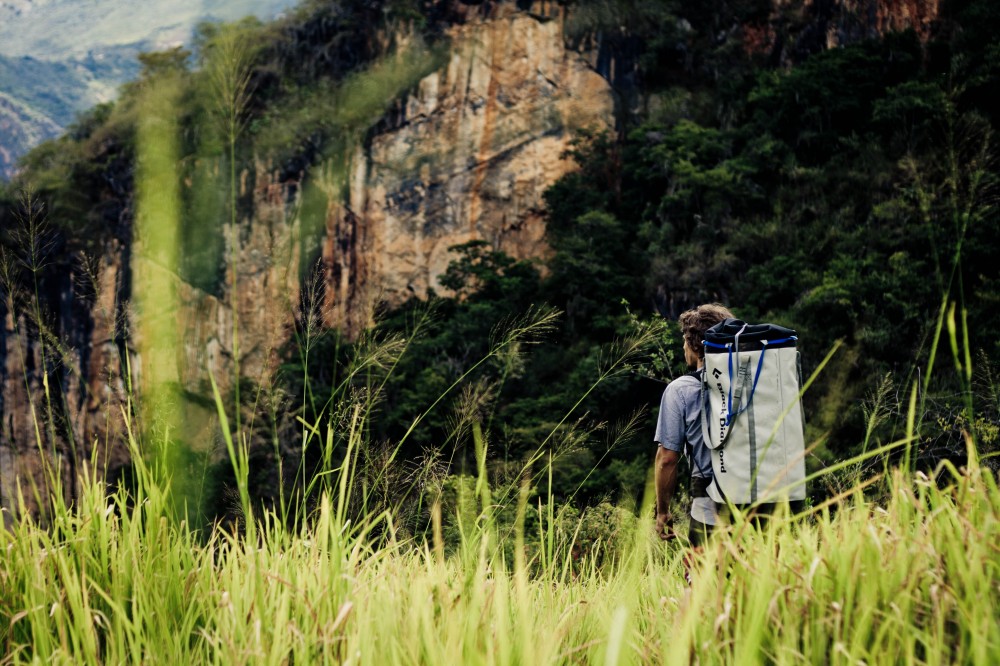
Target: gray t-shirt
[680, 422]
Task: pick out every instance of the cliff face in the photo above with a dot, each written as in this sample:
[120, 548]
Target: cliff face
[466, 155]
[795, 29]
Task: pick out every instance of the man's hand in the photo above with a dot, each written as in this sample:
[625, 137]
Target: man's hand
[665, 526]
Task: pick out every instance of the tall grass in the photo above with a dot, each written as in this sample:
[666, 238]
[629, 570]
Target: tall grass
[230, 70]
[117, 580]
[499, 576]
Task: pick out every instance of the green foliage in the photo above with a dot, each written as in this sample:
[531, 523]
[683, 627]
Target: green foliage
[666, 357]
[835, 199]
[825, 205]
[597, 246]
[831, 200]
[485, 275]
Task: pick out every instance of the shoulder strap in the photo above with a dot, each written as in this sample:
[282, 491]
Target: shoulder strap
[705, 434]
[698, 374]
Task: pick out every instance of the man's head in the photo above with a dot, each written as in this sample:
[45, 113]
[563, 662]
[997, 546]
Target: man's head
[694, 323]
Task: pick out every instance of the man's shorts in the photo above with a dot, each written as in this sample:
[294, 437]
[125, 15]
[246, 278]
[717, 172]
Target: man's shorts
[699, 532]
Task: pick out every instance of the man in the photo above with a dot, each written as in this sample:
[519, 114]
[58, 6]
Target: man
[678, 430]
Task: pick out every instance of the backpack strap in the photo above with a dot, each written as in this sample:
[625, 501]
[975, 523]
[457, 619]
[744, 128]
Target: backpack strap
[700, 376]
[705, 431]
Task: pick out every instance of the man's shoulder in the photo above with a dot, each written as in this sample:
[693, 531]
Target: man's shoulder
[688, 382]
[683, 386]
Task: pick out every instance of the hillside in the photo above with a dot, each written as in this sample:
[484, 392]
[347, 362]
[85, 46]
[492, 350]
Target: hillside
[22, 128]
[428, 173]
[66, 30]
[48, 96]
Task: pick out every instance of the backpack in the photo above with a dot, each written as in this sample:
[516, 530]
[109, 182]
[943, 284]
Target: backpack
[751, 415]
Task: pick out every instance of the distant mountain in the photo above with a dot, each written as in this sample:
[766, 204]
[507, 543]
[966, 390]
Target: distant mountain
[61, 57]
[21, 127]
[40, 98]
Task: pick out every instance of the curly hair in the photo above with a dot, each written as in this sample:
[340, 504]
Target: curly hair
[695, 322]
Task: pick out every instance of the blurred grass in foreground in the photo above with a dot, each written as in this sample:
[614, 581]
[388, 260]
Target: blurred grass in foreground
[911, 581]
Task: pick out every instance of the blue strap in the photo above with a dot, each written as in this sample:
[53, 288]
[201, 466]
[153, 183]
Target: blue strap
[756, 377]
[760, 365]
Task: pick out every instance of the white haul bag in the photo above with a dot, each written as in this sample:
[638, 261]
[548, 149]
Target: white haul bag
[751, 413]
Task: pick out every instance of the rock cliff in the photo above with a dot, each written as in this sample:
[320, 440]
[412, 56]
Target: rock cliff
[794, 29]
[467, 154]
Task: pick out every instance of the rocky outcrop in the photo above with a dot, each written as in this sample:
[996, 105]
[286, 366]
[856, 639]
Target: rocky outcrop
[468, 155]
[795, 29]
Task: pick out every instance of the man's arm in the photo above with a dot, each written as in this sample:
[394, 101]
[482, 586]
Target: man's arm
[665, 478]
